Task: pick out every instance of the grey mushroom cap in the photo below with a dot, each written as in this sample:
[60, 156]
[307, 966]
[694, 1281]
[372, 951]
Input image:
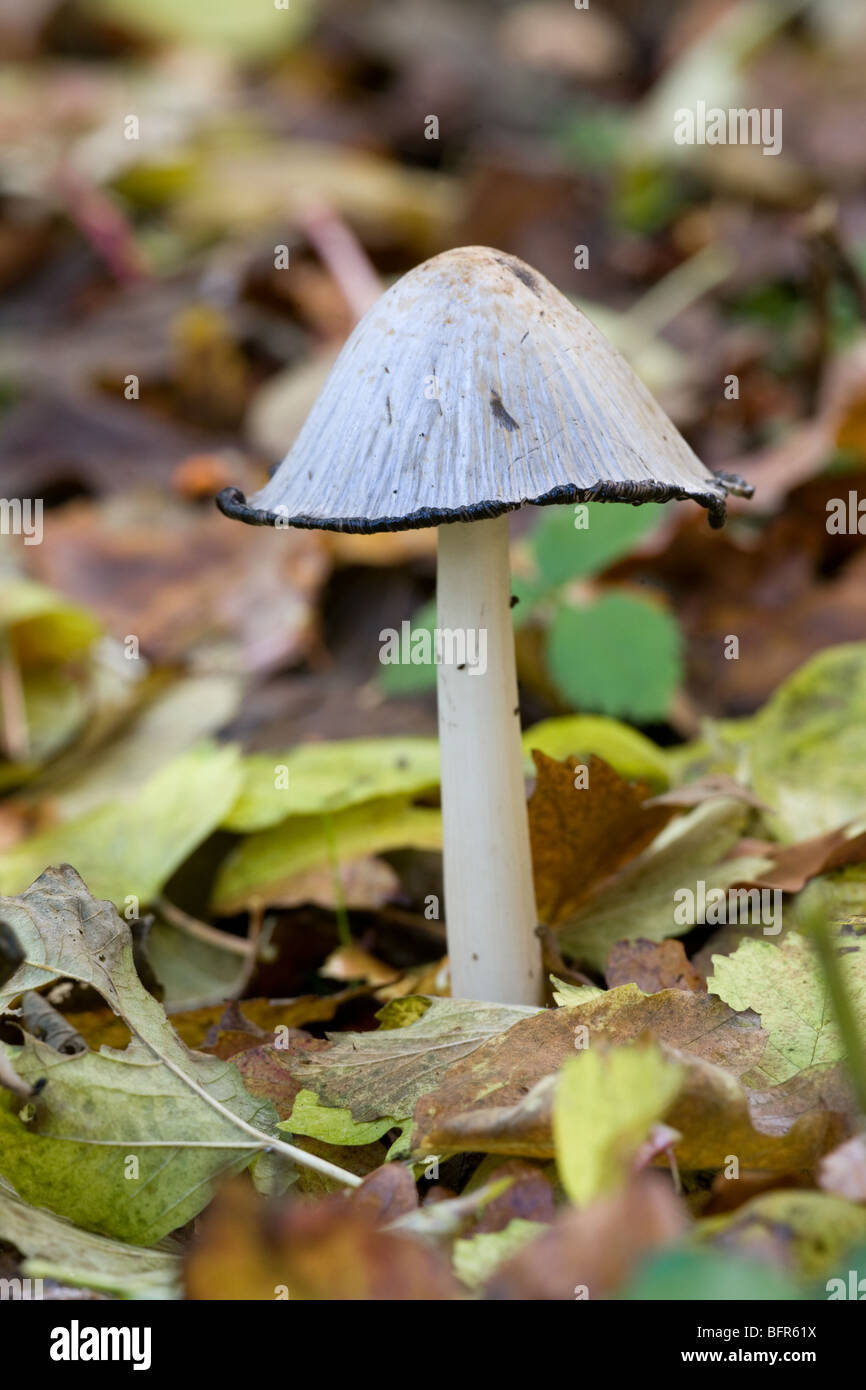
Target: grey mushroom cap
[471, 388]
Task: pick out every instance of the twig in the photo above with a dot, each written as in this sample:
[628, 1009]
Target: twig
[176, 917]
[340, 250]
[101, 221]
[14, 731]
[677, 291]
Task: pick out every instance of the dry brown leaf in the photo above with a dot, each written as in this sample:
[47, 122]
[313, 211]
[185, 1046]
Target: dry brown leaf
[652, 966]
[844, 1170]
[386, 1194]
[499, 1098]
[793, 865]
[176, 576]
[247, 1249]
[587, 1253]
[580, 835]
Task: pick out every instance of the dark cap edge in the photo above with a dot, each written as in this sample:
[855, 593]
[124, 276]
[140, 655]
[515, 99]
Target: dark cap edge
[232, 503]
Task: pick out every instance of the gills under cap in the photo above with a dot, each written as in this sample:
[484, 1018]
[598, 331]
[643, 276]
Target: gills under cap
[470, 388]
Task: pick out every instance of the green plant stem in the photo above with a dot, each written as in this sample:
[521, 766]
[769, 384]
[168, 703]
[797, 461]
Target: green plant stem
[344, 931]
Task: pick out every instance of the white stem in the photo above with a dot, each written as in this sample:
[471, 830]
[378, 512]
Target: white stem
[489, 899]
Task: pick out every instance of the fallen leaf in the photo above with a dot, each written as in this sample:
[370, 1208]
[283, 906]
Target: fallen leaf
[71, 1148]
[627, 751]
[265, 864]
[331, 1124]
[130, 848]
[790, 867]
[55, 1249]
[640, 901]
[179, 579]
[843, 1172]
[386, 1194]
[809, 1230]
[162, 728]
[327, 777]
[499, 1099]
[607, 1101]
[528, 1196]
[784, 984]
[300, 1251]
[384, 1073]
[809, 743]
[588, 1252]
[581, 833]
[477, 1257]
[652, 966]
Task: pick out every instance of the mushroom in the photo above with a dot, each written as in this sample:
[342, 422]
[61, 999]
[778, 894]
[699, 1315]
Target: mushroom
[471, 387]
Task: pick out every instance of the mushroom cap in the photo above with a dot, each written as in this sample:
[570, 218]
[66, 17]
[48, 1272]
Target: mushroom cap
[470, 388]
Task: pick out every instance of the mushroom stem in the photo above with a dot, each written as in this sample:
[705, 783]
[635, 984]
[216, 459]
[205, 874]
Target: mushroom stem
[489, 898]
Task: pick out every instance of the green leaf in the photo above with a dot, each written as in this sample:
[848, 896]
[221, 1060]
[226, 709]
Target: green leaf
[477, 1258]
[126, 1142]
[808, 749]
[263, 864]
[607, 1101]
[563, 552]
[56, 708]
[621, 655]
[630, 753]
[245, 31]
[332, 1124]
[386, 1072]
[55, 1249]
[413, 677]
[707, 1276]
[318, 777]
[784, 984]
[42, 626]
[133, 847]
[566, 995]
[814, 1228]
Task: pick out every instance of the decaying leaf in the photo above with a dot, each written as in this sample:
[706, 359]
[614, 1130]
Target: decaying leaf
[809, 1230]
[784, 984]
[582, 829]
[384, 1073]
[122, 1142]
[808, 747]
[55, 1249]
[513, 1074]
[652, 966]
[328, 1250]
[641, 900]
[588, 1251]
